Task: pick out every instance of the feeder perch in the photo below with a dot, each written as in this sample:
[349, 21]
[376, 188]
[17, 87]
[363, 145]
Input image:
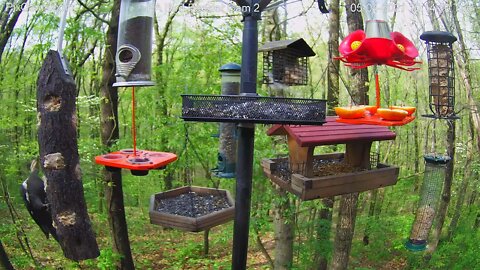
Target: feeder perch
[286, 62]
[134, 47]
[253, 109]
[227, 136]
[139, 163]
[311, 177]
[441, 70]
[430, 196]
[192, 209]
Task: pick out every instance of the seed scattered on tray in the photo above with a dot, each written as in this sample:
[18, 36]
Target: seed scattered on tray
[192, 204]
[255, 110]
[321, 167]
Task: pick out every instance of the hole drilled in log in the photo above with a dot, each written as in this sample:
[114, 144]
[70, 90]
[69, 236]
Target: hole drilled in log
[67, 218]
[54, 161]
[52, 103]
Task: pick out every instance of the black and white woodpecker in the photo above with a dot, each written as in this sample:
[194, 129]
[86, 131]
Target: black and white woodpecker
[35, 198]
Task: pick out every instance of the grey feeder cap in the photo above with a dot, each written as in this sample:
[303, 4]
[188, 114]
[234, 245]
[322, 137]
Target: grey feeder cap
[438, 36]
[230, 67]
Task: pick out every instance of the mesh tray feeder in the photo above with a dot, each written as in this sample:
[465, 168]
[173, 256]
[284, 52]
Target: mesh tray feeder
[427, 207]
[192, 209]
[253, 109]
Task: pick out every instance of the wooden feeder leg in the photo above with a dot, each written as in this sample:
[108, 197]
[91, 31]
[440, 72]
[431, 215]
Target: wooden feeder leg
[206, 245]
[300, 156]
[57, 139]
[358, 154]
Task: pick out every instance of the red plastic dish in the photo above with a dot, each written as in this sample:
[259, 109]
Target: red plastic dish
[376, 120]
[143, 161]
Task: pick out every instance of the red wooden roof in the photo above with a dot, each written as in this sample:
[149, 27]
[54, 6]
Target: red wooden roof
[333, 132]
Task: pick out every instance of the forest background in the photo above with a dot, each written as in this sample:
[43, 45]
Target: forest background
[191, 43]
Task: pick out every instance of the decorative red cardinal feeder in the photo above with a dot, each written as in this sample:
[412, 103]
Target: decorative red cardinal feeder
[133, 61]
[377, 46]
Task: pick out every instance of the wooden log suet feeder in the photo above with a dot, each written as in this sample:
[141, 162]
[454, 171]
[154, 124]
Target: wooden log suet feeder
[191, 208]
[286, 62]
[311, 177]
[57, 137]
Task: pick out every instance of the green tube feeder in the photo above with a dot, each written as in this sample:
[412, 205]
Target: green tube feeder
[430, 196]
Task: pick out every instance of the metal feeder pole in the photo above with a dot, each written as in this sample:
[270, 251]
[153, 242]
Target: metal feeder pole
[246, 133]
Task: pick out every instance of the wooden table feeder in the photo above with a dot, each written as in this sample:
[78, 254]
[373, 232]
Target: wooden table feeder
[286, 62]
[311, 177]
[191, 208]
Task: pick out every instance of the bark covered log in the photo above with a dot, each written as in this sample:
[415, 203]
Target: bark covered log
[57, 138]
[110, 135]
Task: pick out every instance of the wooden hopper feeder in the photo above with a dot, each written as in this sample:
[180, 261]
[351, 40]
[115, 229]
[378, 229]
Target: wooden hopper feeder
[193, 222]
[303, 167]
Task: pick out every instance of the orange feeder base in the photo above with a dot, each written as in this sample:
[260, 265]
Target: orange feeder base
[376, 120]
[139, 164]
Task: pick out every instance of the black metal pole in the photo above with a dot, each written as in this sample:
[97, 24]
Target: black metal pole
[246, 136]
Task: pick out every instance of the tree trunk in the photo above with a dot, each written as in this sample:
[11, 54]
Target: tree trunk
[57, 138]
[463, 186]
[11, 11]
[161, 80]
[110, 134]
[284, 221]
[348, 203]
[325, 217]
[333, 65]
[6, 264]
[345, 228]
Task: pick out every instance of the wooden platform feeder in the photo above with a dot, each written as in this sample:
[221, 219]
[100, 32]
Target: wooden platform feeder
[188, 223]
[302, 177]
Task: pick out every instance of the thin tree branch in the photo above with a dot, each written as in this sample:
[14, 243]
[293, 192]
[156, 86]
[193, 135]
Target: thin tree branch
[92, 12]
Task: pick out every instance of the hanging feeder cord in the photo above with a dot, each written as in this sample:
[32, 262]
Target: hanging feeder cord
[61, 29]
[134, 129]
[187, 159]
[377, 86]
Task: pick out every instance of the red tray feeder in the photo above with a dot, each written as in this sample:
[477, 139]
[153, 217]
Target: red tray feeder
[139, 164]
[376, 120]
[378, 51]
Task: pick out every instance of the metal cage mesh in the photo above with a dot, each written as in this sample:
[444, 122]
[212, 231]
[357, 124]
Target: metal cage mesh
[430, 196]
[253, 109]
[285, 67]
[442, 79]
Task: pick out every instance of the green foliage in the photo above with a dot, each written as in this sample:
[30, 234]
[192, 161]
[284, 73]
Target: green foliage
[191, 59]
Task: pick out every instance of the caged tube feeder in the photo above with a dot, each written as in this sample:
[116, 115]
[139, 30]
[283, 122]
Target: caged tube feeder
[435, 166]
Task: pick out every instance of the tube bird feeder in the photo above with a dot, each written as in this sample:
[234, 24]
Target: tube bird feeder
[227, 138]
[441, 69]
[430, 196]
[134, 51]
